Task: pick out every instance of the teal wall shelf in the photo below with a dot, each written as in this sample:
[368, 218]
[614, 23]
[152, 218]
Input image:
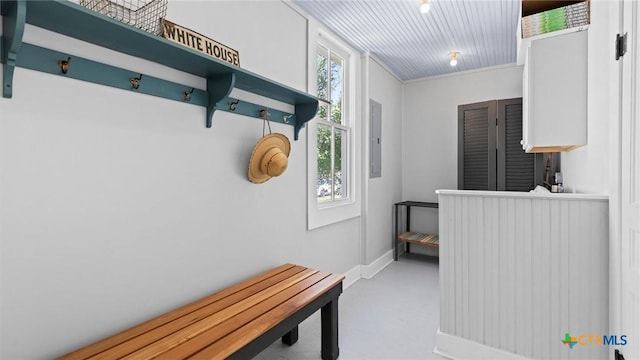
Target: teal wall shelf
[73, 20]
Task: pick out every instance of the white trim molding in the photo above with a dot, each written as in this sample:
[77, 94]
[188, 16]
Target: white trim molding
[352, 276]
[371, 270]
[457, 348]
[367, 271]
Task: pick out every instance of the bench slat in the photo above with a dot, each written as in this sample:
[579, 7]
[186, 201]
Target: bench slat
[125, 335]
[148, 350]
[244, 335]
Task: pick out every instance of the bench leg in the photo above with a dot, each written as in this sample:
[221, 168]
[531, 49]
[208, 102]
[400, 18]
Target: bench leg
[291, 337]
[329, 319]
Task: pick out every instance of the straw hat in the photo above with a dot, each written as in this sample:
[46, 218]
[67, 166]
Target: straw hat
[269, 158]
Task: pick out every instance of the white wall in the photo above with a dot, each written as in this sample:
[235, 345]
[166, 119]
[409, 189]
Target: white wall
[586, 169]
[430, 132]
[384, 191]
[115, 207]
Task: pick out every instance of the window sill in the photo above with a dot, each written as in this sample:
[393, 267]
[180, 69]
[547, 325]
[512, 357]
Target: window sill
[327, 214]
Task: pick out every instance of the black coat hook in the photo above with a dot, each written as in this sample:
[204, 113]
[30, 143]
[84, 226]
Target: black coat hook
[233, 104]
[64, 65]
[134, 81]
[187, 94]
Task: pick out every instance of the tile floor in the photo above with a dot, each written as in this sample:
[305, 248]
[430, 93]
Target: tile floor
[393, 316]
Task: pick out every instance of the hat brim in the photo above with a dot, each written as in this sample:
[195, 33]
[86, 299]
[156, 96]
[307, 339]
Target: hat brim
[256, 175]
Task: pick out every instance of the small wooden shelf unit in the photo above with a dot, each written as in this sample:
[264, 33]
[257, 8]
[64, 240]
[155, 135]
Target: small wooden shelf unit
[412, 237]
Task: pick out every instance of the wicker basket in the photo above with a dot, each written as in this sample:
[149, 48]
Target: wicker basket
[143, 14]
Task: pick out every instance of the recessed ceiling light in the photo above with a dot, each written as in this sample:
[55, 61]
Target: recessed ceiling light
[454, 58]
[425, 7]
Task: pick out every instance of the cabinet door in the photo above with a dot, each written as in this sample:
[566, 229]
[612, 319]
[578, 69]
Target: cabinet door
[555, 93]
[477, 146]
[489, 153]
[515, 166]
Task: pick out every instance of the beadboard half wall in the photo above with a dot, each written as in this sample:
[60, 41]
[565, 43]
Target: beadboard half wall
[518, 271]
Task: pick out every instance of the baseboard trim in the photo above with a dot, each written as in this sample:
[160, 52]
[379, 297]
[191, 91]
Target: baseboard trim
[367, 271]
[457, 348]
[351, 276]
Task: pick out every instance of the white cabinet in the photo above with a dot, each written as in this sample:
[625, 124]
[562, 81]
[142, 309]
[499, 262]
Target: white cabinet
[555, 93]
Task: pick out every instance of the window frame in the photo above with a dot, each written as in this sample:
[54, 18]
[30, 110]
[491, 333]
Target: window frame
[329, 212]
[344, 125]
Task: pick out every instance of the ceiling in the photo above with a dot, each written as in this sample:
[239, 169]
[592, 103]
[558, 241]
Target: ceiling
[414, 45]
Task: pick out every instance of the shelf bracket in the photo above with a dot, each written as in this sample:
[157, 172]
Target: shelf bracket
[304, 113]
[218, 87]
[13, 22]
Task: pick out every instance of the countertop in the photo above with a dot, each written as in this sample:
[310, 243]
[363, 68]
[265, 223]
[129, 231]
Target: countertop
[531, 195]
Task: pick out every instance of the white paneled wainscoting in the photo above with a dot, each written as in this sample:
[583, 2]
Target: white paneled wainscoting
[519, 271]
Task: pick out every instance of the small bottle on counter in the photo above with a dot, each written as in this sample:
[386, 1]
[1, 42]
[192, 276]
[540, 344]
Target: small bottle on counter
[557, 188]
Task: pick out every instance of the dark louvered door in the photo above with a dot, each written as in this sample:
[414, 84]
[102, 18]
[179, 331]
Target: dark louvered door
[476, 146]
[490, 156]
[515, 167]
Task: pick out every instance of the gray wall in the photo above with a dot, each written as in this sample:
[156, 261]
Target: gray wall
[115, 207]
[430, 131]
[430, 134]
[386, 190]
[127, 204]
[430, 107]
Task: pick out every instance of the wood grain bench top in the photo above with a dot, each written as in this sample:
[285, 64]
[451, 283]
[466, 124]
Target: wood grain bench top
[220, 324]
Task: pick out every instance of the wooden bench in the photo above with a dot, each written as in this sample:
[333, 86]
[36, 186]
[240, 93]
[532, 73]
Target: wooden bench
[235, 323]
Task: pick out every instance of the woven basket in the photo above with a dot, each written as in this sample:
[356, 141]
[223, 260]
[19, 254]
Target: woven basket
[143, 14]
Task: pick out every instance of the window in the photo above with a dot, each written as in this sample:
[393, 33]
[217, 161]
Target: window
[333, 130]
[334, 164]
